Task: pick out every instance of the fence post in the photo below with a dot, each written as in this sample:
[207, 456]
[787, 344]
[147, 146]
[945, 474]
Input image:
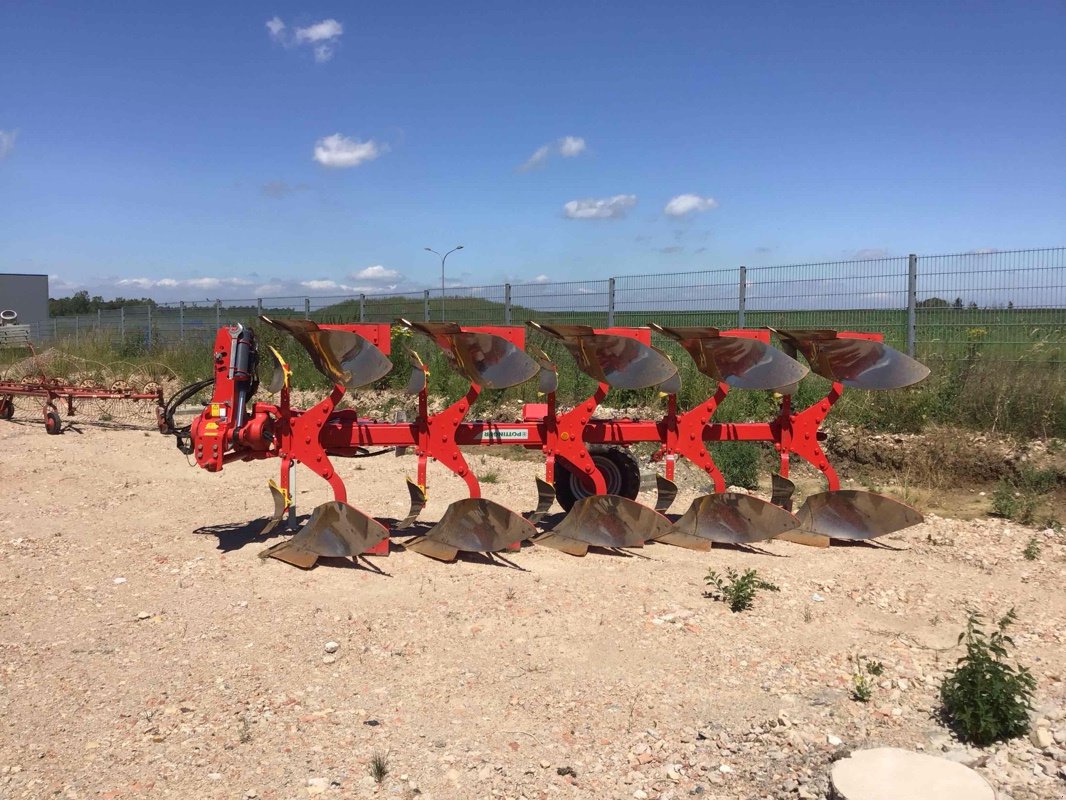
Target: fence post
[218, 313]
[742, 296]
[149, 307]
[912, 302]
[307, 308]
[98, 320]
[425, 305]
[610, 302]
[259, 306]
[77, 328]
[362, 309]
[507, 304]
[181, 320]
[122, 323]
[55, 328]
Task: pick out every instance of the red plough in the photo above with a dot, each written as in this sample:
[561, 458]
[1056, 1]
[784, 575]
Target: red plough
[588, 467]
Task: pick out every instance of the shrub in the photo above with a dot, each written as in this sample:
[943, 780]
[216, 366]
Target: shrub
[738, 590]
[985, 698]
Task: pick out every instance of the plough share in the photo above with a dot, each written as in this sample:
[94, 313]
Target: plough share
[588, 468]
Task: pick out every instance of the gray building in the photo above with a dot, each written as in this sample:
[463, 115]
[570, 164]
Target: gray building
[27, 295]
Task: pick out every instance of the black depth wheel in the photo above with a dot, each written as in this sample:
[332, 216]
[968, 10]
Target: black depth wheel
[617, 465]
[52, 423]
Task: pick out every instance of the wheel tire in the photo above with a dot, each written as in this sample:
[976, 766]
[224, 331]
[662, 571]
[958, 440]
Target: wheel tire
[7, 408]
[617, 465]
[52, 423]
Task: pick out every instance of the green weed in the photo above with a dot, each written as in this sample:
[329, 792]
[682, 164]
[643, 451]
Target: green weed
[736, 590]
[986, 698]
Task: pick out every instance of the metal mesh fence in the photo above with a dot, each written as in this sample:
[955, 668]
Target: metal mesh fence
[682, 298]
[581, 302]
[1007, 305]
[999, 305]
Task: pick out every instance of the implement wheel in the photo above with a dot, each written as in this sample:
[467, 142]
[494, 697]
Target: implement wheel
[617, 465]
[7, 408]
[52, 423]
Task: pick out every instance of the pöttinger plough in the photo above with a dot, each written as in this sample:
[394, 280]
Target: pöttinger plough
[589, 469]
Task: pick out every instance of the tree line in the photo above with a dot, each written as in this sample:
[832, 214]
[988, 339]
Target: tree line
[82, 303]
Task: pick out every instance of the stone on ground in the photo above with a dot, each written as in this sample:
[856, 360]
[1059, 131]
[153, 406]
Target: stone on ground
[888, 773]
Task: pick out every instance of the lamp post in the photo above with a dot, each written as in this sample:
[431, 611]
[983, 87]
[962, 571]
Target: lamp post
[443, 258]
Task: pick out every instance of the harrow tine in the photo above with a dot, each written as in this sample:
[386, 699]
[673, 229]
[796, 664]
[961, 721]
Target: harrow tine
[545, 498]
[281, 505]
[418, 502]
[740, 361]
[665, 492]
[483, 358]
[728, 518]
[861, 363]
[345, 357]
[605, 520]
[855, 515]
[619, 361]
[335, 530]
[473, 525]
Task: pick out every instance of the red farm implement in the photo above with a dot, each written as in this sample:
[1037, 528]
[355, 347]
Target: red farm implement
[589, 469]
[109, 392]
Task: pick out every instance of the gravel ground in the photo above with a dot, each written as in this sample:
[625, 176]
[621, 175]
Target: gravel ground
[146, 652]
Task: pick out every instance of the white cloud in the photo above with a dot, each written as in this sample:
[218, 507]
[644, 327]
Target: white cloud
[323, 31]
[376, 273]
[7, 143]
[603, 208]
[567, 147]
[340, 151]
[542, 278]
[570, 146]
[276, 28]
[540, 155]
[685, 204]
[184, 283]
[322, 37]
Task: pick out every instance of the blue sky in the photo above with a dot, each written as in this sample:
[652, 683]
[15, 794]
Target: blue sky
[239, 149]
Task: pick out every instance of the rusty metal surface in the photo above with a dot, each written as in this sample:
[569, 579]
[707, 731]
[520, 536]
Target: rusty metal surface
[608, 520]
[482, 358]
[476, 525]
[732, 518]
[346, 358]
[619, 361]
[861, 363]
[739, 361]
[335, 530]
[855, 515]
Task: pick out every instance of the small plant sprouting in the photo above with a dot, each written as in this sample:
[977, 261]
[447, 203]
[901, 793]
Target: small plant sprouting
[862, 688]
[985, 698]
[808, 615]
[738, 590]
[1032, 549]
[379, 767]
[489, 476]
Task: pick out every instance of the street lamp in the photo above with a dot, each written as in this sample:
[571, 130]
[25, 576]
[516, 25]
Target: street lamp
[443, 258]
